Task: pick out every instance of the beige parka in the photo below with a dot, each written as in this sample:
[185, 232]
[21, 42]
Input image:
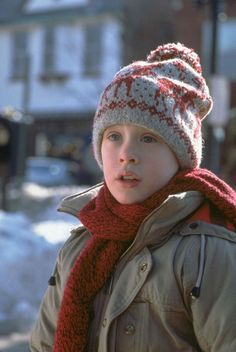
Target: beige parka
[147, 305]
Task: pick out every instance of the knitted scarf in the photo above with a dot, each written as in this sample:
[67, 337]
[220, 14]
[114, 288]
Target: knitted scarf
[114, 227]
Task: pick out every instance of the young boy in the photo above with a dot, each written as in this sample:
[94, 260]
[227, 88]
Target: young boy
[152, 266]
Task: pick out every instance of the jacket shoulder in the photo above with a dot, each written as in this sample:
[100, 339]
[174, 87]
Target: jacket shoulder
[75, 235]
[200, 227]
[74, 244]
[202, 246]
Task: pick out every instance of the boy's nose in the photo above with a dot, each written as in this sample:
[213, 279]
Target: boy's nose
[131, 160]
[128, 157]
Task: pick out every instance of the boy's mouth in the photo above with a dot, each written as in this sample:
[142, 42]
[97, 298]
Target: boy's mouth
[130, 180]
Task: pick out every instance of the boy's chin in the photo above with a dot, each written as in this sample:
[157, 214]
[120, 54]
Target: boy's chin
[129, 199]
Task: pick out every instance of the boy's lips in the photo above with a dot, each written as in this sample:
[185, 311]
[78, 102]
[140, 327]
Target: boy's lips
[128, 179]
[128, 176]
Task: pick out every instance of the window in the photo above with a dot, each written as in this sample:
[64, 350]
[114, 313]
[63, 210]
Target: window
[19, 56]
[93, 49]
[50, 69]
[49, 50]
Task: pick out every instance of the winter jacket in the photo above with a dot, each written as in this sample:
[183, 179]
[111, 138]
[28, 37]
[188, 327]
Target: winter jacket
[174, 289]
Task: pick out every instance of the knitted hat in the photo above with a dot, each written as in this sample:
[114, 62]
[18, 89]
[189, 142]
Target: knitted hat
[166, 94]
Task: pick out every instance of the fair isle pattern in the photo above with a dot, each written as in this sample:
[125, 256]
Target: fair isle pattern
[168, 96]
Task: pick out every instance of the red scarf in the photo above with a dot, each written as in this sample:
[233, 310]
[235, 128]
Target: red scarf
[114, 227]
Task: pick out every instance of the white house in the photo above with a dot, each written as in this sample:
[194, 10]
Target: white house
[56, 57]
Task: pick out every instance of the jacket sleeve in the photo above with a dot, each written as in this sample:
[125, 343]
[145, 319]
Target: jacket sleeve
[214, 311]
[42, 335]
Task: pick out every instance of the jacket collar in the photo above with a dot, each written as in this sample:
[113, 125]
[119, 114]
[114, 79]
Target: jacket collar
[164, 218]
[182, 201]
[74, 203]
[158, 225]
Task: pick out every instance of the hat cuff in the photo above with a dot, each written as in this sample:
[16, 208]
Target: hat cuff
[188, 151]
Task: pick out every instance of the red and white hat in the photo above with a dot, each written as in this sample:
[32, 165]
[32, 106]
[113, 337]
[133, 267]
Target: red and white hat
[166, 94]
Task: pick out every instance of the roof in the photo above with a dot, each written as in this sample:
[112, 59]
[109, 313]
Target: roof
[12, 12]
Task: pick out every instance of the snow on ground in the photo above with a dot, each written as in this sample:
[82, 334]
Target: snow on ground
[29, 240]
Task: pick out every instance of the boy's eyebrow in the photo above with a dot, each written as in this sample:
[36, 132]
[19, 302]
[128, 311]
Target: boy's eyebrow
[108, 130]
[154, 134]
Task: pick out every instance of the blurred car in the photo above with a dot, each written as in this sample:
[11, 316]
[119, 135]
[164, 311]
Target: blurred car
[51, 172]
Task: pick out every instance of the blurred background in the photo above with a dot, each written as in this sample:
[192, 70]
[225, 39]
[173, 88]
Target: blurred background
[56, 58]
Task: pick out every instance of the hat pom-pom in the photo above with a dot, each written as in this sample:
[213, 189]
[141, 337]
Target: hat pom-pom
[175, 51]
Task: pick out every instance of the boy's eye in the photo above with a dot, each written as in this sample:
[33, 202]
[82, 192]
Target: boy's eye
[113, 137]
[149, 139]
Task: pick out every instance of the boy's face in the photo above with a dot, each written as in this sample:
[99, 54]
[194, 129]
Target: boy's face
[136, 162]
